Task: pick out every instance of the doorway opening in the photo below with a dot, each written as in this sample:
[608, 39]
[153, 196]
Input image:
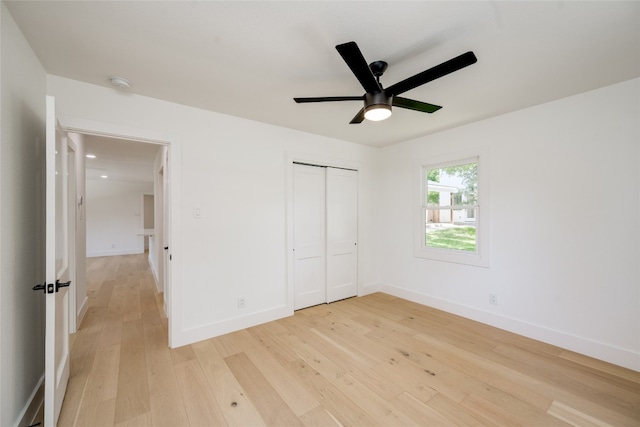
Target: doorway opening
[166, 150]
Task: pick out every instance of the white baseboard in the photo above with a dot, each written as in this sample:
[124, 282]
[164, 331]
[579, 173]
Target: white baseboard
[82, 312]
[368, 289]
[204, 332]
[28, 414]
[114, 252]
[602, 351]
[155, 275]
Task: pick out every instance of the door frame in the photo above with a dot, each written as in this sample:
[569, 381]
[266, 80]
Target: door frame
[72, 210]
[314, 160]
[173, 296]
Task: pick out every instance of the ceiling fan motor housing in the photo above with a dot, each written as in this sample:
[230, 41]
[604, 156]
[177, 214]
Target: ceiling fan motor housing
[377, 106]
[377, 99]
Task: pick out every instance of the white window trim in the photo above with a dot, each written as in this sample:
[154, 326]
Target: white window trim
[478, 258]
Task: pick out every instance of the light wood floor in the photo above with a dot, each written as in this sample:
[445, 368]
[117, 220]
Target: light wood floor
[375, 360]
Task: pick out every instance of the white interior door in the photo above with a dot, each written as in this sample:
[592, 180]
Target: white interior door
[166, 233]
[309, 235]
[57, 269]
[342, 234]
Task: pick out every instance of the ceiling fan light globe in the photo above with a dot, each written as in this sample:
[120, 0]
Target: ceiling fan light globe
[376, 113]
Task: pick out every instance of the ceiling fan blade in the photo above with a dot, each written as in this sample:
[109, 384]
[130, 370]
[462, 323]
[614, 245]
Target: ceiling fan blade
[411, 104]
[329, 99]
[359, 118]
[354, 59]
[433, 73]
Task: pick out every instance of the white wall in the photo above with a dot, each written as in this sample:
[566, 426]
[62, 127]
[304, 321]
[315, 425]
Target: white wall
[565, 229]
[234, 170]
[114, 217]
[22, 125]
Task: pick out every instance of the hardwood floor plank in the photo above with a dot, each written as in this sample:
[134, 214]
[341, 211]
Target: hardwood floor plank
[374, 405]
[182, 354]
[297, 397]
[599, 365]
[271, 407]
[132, 310]
[319, 417]
[200, 402]
[234, 343]
[575, 417]
[98, 415]
[601, 391]
[142, 420]
[420, 413]
[165, 398]
[102, 384]
[459, 414]
[237, 408]
[490, 373]
[133, 389]
[272, 335]
[83, 353]
[339, 405]
[112, 329]
[72, 403]
[149, 309]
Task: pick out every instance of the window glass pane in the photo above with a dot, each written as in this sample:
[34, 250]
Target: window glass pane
[455, 185]
[451, 229]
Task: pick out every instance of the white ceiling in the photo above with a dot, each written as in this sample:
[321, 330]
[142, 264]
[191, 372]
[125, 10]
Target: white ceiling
[119, 160]
[249, 59]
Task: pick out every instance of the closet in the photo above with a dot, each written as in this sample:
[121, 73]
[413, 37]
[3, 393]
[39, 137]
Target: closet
[325, 237]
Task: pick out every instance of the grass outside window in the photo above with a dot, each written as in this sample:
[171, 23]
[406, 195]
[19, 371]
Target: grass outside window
[461, 238]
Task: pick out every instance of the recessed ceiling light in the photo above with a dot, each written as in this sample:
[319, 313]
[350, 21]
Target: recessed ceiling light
[90, 156]
[120, 83]
[104, 176]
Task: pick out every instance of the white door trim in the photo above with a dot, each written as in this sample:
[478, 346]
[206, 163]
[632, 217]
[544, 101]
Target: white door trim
[72, 191]
[173, 293]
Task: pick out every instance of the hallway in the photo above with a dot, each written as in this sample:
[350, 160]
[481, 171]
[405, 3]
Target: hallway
[122, 337]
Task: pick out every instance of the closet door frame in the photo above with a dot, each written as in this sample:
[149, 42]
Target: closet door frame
[315, 160]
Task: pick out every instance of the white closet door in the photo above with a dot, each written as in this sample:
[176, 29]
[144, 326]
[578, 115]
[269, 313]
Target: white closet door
[309, 236]
[342, 234]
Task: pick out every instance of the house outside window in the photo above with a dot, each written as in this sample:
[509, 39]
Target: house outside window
[451, 223]
[450, 213]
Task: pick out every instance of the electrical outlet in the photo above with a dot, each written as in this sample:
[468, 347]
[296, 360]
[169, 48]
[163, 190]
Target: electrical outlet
[241, 302]
[493, 299]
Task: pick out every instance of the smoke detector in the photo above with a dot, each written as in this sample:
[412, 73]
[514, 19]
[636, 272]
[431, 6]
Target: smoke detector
[120, 83]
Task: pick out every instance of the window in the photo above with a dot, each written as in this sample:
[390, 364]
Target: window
[451, 224]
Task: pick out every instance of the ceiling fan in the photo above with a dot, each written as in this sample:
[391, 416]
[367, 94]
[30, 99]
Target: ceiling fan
[377, 100]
